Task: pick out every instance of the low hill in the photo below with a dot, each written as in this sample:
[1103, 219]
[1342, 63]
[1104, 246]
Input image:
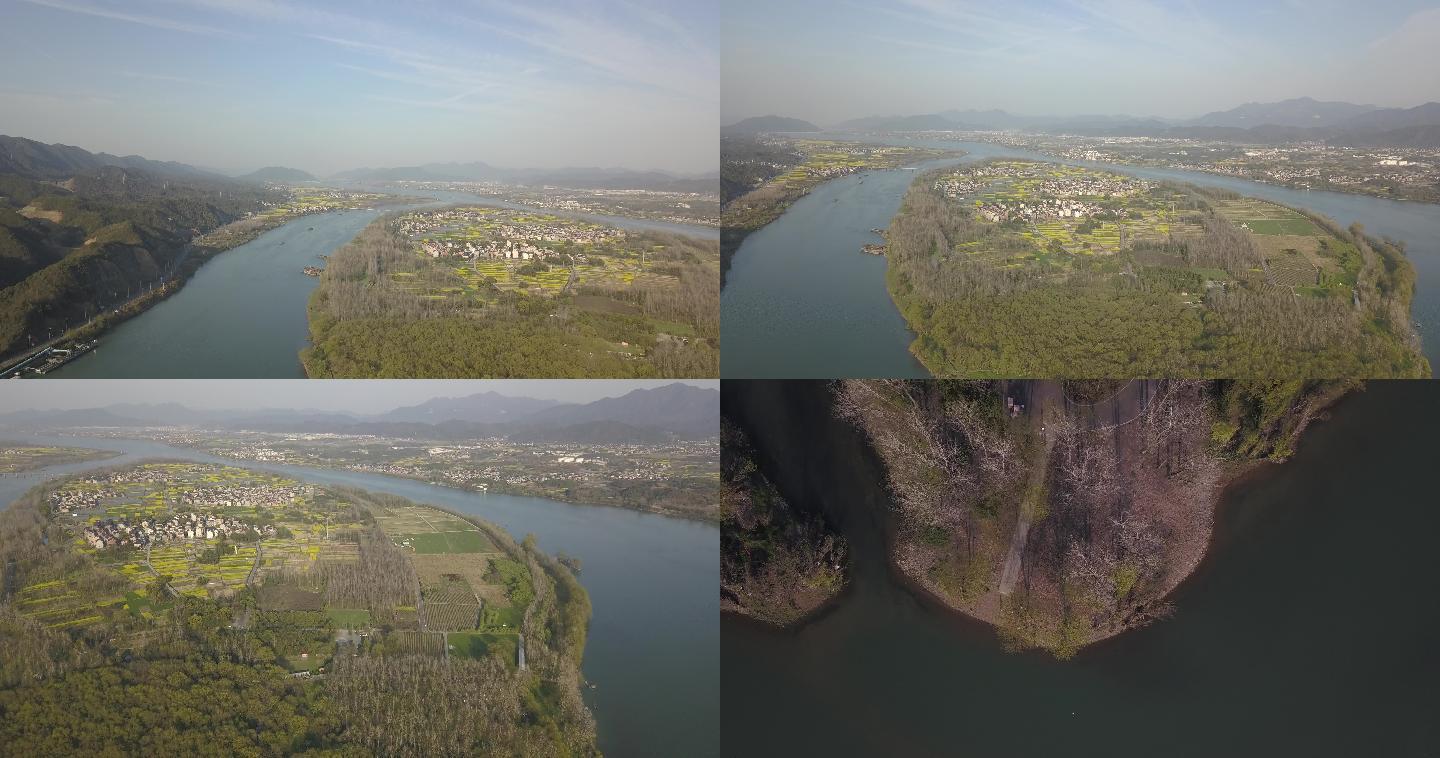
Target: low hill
[758, 124]
[485, 407]
[37, 160]
[681, 409]
[1300, 111]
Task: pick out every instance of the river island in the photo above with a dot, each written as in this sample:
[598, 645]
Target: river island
[283, 616]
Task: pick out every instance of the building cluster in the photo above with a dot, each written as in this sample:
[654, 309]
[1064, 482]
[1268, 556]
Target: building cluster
[263, 496]
[177, 528]
[1068, 186]
[504, 238]
[1038, 210]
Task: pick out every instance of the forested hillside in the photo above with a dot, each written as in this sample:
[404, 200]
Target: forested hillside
[73, 247]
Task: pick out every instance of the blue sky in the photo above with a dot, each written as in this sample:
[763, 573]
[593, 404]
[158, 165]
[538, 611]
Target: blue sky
[326, 86]
[829, 60]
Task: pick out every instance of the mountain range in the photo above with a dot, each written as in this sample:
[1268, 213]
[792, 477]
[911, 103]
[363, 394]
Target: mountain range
[674, 411]
[37, 160]
[1297, 119]
[578, 178]
[758, 124]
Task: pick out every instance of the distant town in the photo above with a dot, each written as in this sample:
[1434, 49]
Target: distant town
[691, 208]
[1399, 173]
[678, 477]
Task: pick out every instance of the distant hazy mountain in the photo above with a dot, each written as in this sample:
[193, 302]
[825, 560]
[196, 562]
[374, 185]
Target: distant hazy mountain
[1299, 119]
[1385, 119]
[277, 174]
[579, 178]
[1423, 136]
[651, 415]
[679, 408]
[1300, 111]
[758, 124]
[973, 120]
[38, 160]
[486, 407]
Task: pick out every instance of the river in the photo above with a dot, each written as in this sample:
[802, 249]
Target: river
[242, 315]
[1308, 629]
[802, 301]
[653, 648]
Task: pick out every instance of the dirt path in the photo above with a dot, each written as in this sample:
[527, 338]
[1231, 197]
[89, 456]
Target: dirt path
[255, 569]
[1045, 398]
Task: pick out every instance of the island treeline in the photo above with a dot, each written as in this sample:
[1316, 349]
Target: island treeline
[778, 563]
[207, 675]
[1154, 308]
[363, 323]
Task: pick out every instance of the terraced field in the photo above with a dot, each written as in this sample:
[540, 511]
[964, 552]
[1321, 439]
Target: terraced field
[1298, 254]
[467, 582]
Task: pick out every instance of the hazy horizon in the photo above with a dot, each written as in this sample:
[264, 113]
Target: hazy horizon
[830, 62]
[235, 85]
[336, 395]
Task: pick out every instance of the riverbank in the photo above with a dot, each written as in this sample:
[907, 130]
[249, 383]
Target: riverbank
[824, 162]
[194, 255]
[18, 459]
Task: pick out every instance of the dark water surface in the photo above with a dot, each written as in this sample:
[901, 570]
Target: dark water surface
[653, 649]
[1310, 629]
[801, 301]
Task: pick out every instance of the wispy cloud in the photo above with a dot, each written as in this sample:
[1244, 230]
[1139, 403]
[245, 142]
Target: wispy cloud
[157, 22]
[671, 58]
[57, 98]
[165, 78]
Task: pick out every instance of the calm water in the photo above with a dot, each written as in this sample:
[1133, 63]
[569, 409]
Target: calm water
[1309, 630]
[801, 301]
[241, 316]
[653, 649]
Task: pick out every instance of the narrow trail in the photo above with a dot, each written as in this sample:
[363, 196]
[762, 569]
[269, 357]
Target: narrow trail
[1043, 400]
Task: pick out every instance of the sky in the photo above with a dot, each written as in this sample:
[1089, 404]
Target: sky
[342, 395]
[831, 60]
[339, 84]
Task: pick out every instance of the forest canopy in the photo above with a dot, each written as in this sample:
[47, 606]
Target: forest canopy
[1014, 268]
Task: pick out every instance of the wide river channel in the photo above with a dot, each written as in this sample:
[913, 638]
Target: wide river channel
[242, 315]
[653, 649]
[801, 300]
[1308, 630]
